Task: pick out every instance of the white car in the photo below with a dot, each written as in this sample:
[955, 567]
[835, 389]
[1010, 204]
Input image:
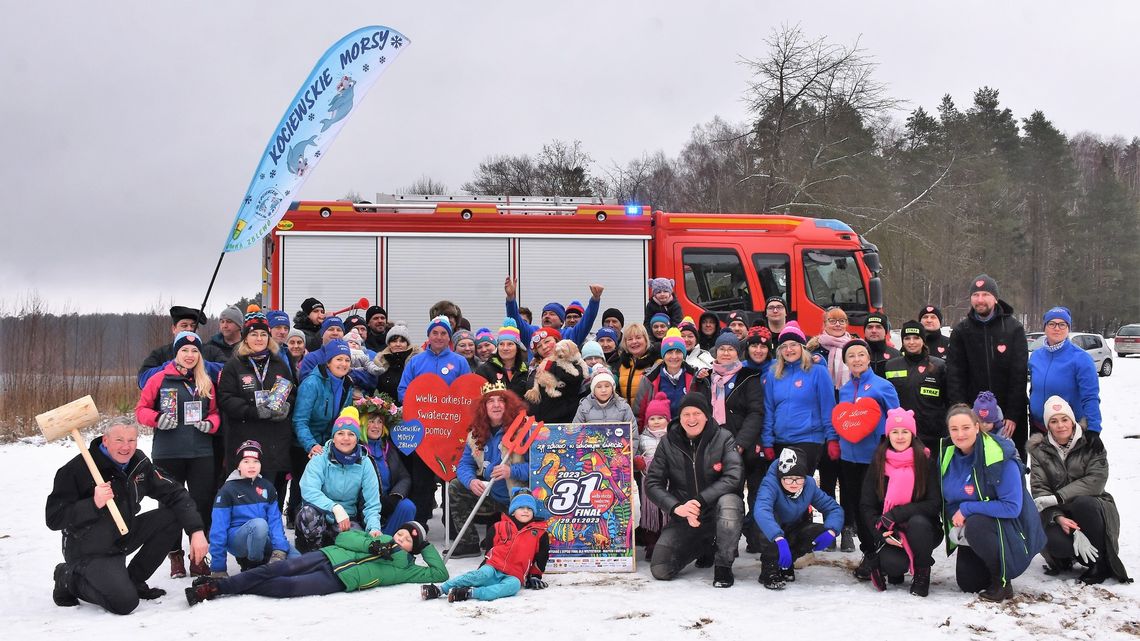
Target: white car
[1094, 344]
[1128, 340]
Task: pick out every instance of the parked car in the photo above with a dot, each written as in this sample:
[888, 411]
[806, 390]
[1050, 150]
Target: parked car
[1128, 340]
[1095, 345]
[1032, 337]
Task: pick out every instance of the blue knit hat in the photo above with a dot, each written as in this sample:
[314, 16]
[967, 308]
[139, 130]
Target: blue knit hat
[439, 321]
[607, 332]
[332, 321]
[727, 338]
[187, 338]
[522, 499]
[277, 318]
[659, 318]
[592, 348]
[1058, 313]
[557, 308]
[336, 347]
[987, 408]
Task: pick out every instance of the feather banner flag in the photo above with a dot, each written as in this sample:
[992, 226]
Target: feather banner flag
[315, 116]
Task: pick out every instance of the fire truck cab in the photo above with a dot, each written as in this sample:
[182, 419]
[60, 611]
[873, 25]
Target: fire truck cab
[408, 252]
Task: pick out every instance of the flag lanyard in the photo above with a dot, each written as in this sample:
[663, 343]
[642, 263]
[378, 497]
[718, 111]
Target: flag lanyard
[260, 373]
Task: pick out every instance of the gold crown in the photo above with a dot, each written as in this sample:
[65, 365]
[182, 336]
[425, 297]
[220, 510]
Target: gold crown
[497, 386]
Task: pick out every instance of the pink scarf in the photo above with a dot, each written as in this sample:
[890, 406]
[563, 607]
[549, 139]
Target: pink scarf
[899, 469]
[721, 376]
[834, 345]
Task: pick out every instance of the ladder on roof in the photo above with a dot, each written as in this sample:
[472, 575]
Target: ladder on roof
[404, 202]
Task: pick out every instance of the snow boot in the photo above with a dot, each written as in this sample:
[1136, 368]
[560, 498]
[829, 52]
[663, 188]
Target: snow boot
[847, 540]
[466, 550]
[772, 577]
[896, 579]
[458, 594]
[722, 577]
[789, 574]
[920, 584]
[177, 565]
[61, 594]
[997, 592]
[866, 565]
[1096, 574]
[429, 591]
[200, 568]
[147, 593]
[877, 579]
[203, 589]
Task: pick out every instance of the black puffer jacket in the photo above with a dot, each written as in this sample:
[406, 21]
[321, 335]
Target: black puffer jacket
[683, 469]
[88, 531]
[494, 371]
[930, 506]
[744, 408]
[920, 382]
[991, 356]
[880, 354]
[937, 343]
[312, 332]
[392, 369]
[238, 385]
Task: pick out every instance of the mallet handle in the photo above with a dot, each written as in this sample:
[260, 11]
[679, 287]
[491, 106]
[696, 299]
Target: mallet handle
[111, 505]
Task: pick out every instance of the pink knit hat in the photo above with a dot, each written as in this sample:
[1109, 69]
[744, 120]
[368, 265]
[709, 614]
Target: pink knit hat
[898, 417]
[659, 406]
[792, 332]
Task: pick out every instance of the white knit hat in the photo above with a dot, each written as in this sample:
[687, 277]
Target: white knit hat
[1057, 405]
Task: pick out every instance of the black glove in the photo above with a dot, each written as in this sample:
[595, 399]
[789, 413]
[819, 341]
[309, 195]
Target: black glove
[382, 549]
[535, 583]
[264, 412]
[886, 523]
[282, 413]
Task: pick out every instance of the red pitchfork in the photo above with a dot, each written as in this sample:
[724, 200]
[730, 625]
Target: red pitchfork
[517, 439]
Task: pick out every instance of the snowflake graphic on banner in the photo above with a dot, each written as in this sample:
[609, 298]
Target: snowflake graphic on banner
[317, 153]
[273, 174]
[248, 199]
[311, 116]
[382, 60]
[397, 42]
[262, 176]
[365, 67]
[286, 192]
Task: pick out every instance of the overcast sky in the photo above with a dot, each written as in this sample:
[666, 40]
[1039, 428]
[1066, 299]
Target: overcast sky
[132, 128]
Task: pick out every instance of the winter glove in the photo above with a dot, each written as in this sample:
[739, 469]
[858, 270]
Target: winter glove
[382, 549]
[264, 413]
[1084, 549]
[204, 427]
[277, 555]
[167, 421]
[639, 463]
[358, 359]
[833, 450]
[1045, 502]
[823, 541]
[958, 535]
[535, 583]
[770, 453]
[220, 575]
[885, 524]
[282, 413]
[785, 553]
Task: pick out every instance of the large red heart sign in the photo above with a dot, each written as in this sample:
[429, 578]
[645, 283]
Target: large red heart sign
[445, 412]
[854, 421]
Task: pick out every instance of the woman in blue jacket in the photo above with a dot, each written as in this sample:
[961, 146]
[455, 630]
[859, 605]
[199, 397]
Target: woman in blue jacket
[855, 457]
[988, 514]
[336, 485]
[798, 399]
[1060, 368]
[783, 511]
[376, 417]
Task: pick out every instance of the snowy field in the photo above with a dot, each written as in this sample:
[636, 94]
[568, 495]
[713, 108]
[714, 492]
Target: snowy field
[824, 602]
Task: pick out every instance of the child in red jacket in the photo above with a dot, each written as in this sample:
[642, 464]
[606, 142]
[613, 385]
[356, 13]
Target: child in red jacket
[516, 559]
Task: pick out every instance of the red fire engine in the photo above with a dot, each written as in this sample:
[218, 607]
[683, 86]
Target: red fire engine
[408, 252]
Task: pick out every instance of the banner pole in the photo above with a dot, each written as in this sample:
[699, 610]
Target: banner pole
[202, 308]
[446, 522]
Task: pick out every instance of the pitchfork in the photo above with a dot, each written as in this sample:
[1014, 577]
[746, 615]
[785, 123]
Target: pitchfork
[517, 439]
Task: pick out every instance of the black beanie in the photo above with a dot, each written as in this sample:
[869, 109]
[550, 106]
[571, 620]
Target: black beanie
[792, 462]
[911, 328]
[984, 283]
[697, 400]
[372, 311]
[418, 534]
[613, 313]
[855, 342]
[931, 309]
[310, 304]
[880, 318]
[179, 312]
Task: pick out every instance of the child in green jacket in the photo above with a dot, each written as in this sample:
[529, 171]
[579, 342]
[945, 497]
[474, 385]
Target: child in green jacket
[356, 561]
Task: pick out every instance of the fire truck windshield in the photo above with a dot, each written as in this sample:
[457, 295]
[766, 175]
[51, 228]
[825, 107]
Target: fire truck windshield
[832, 277]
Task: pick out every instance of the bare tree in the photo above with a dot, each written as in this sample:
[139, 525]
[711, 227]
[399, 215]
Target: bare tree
[424, 186]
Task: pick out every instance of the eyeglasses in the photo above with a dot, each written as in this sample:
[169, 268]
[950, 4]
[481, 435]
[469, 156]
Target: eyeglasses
[1056, 325]
[837, 321]
[775, 307]
[793, 480]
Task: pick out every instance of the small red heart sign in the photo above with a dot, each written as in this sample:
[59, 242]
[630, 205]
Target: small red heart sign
[921, 369]
[983, 413]
[854, 421]
[445, 412]
[602, 500]
[979, 283]
[1001, 349]
[1056, 407]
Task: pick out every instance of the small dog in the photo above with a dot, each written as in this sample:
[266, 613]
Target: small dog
[566, 357]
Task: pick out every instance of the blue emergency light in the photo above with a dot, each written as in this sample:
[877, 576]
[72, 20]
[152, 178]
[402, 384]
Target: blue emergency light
[633, 210]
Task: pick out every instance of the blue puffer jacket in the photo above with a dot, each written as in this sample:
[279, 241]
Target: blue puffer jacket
[467, 470]
[991, 482]
[326, 483]
[797, 407]
[317, 407]
[239, 501]
[577, 333]
[1070, 373]
[868, 385]
[774, 508]
[447, 365]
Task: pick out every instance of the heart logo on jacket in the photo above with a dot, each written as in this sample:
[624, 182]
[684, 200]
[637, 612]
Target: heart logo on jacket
[941, 350]
[718, 466]
[602, 500]
[854, 421]
[921, 369]
[969, 489]
[799, 383]
[445, 411]
[1001, 349]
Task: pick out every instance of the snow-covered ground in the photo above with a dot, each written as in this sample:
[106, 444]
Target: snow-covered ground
[824, 602]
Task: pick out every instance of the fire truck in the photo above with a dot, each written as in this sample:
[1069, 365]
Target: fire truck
[406, 253]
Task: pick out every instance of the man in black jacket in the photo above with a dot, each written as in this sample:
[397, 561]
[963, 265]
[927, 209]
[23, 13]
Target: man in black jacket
[695, 477]
[182, 319]
[875, 330]
[988, 351]
[931, 319]
[920, 380]
[94, 553]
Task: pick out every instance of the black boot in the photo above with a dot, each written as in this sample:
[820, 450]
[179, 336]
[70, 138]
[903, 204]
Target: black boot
[147, 593]
[429, 591]
[789, 574]
[61, 594]
[722, 577]
[771, 577]
[997, 592]
[203, 589]
[465, 550]
[458, 594]
[1096, 574]
[920, 584]
[866, 564]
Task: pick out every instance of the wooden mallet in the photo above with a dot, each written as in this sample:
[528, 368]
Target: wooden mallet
[67, 420]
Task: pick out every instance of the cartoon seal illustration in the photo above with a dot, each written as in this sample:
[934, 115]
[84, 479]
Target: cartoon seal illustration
[341, 103]
[296, 161]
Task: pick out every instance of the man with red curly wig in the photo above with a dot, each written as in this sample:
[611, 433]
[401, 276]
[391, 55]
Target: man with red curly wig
[484, 462]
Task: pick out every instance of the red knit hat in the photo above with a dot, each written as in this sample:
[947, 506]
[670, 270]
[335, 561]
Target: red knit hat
[659, 406]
